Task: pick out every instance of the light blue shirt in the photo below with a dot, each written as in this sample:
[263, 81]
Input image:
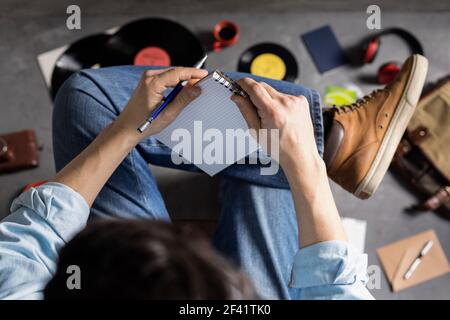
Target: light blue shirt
[45, 218]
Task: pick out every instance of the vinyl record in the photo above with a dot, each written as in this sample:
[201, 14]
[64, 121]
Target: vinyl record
[85, 53]
[269, 60]
[154, 41]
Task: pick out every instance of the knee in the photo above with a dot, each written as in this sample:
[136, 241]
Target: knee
[77, 113]
[69, 98]
[76, 118]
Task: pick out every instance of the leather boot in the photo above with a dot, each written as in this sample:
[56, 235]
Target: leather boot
[364, 136]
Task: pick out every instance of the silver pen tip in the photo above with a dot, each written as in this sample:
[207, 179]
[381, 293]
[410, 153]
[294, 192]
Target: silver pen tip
[199, 64]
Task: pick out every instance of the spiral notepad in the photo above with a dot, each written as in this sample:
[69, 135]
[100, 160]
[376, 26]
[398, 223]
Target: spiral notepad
[204, 120]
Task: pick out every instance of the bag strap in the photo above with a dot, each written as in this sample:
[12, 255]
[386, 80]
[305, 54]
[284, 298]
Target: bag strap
[441, 197]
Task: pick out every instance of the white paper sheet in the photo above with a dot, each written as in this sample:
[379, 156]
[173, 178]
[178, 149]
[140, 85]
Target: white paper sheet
[356, 232]
[211, 114]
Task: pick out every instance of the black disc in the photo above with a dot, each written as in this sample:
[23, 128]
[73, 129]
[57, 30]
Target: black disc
[154, 41]
[269, 60]
[85, 53]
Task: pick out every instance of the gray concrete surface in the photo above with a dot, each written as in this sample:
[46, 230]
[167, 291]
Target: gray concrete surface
[28, 28]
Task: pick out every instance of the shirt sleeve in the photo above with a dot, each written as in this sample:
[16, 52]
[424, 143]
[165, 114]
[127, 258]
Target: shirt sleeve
[330, 270]
[42, 220]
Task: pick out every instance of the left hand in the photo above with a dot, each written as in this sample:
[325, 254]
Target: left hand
[149, 93]
[267, 108]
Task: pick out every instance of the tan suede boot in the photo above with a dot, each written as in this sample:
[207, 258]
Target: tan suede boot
[364, 136]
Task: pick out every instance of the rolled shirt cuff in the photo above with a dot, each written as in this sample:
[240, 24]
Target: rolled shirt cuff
[64, 209]
[328, 263]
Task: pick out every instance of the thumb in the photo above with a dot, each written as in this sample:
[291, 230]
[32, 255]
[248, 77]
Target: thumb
[248, 111]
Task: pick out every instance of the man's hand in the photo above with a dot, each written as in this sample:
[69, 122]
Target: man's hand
[266, 108]
[90, 170]
[149, 93]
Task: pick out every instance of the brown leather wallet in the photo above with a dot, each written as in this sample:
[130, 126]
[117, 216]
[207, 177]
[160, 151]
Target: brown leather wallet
[18, 151]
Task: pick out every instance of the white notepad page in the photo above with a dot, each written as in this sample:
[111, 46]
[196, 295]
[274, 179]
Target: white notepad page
[214, 109]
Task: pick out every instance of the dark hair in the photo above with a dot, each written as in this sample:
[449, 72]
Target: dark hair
[145, 259]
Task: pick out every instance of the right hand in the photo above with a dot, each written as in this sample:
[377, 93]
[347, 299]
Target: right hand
[267, 108]
[149, 93]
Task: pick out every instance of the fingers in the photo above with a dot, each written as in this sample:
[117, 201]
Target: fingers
[154, 72]
[248, 111]
[171, 77]
[284, 98]
[193, 81]
[257, 93]
[271, 91]
[187, 95]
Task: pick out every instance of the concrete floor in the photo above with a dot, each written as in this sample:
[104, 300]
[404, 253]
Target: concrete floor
[28, 28]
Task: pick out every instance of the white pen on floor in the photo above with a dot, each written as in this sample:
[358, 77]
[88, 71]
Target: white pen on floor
[426, 248]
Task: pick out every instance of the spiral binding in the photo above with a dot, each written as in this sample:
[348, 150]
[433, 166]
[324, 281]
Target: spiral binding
[228, 83]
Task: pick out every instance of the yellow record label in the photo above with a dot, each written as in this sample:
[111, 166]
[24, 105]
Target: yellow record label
[268, 65]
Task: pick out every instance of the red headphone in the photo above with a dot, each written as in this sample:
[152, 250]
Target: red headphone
[389, 70]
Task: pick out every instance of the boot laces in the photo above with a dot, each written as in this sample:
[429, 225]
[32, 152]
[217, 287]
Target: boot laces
[360, 102]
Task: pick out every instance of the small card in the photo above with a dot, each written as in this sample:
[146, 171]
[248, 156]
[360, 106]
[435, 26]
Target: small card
[324, 49]
[397, 257]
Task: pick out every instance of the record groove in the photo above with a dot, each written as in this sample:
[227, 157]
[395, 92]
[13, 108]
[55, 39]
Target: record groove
[153, 41]
[149, 41]
[85, 53]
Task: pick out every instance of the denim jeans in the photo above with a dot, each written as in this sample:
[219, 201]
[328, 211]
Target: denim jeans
[257, 228]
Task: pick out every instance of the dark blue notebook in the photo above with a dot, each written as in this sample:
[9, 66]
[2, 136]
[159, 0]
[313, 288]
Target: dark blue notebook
[324, 49]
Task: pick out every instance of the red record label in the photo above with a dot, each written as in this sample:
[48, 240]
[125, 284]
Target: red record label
[152, 56]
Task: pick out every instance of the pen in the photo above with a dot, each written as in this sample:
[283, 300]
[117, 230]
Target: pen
[426, 248]
[165, 101]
